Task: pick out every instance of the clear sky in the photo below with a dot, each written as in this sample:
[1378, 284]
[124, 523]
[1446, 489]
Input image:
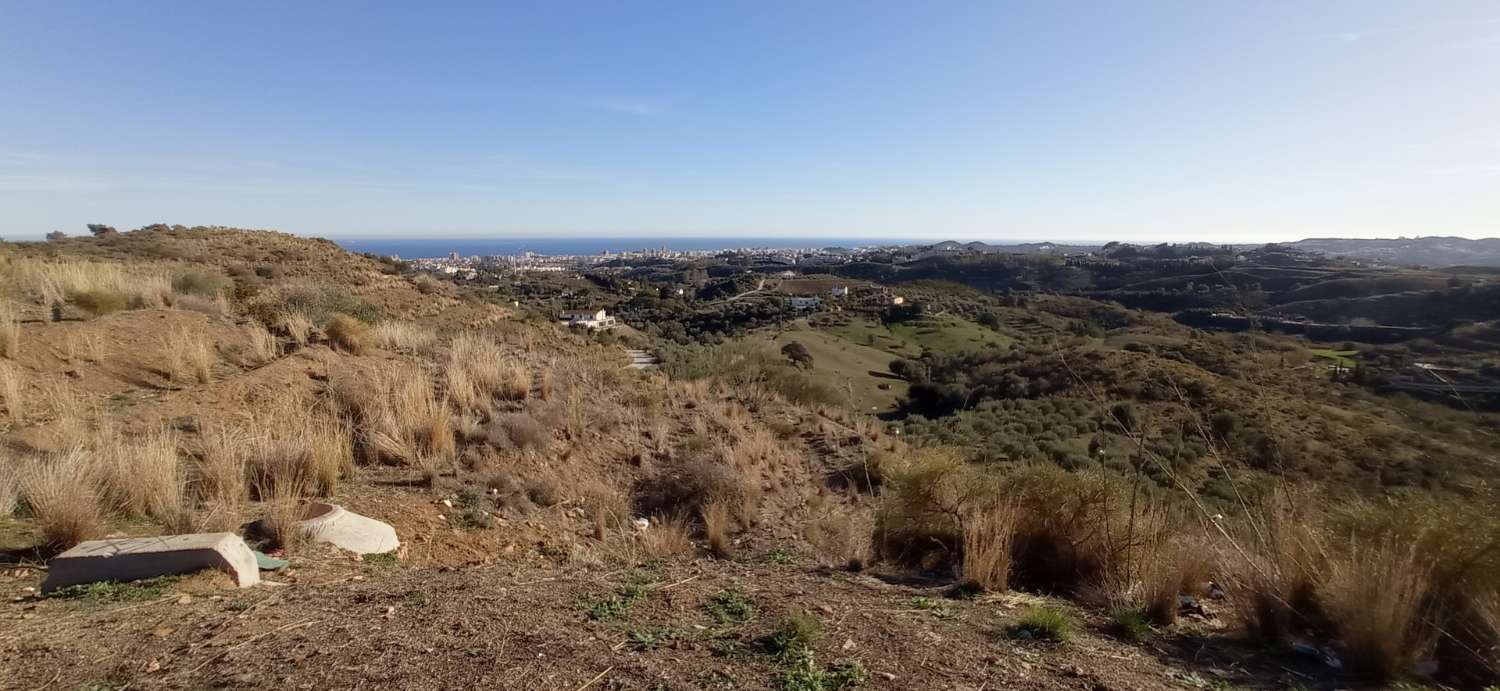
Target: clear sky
[1214, 120]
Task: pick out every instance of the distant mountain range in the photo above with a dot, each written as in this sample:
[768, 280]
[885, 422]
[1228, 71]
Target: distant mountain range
[1433, 251]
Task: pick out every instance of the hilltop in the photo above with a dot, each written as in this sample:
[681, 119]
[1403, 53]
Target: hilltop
[1057, 492]
[1434, 250]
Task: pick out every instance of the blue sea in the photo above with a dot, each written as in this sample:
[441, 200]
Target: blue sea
[419, 248]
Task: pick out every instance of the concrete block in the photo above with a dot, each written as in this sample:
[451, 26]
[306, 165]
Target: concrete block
[135, 558]
[345, 529]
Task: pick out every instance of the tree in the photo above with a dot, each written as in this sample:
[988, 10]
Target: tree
[797, 354]
[100, 230]
[56, 235]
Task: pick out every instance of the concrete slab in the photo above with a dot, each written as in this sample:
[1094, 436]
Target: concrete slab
[135, 558]
[345, 529]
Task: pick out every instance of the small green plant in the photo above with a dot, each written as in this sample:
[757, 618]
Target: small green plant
[940, 610]
[1131, 624]
[780, 555]
[474, 510]
[797, 631]
[652, 638]
[1044, 624]
[800, 672]
[114, 591]
[615, 605]
[729, 606]
[385, 560]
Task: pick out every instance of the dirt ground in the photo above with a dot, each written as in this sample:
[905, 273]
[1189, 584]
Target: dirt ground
[335, 622]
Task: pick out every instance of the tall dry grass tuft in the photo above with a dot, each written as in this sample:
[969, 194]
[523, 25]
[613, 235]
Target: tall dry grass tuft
[260, 345]
[220, 479]
[988, 533]
[190, 356]
[397, 417]
[10, 484]
[142, 476]
[1274, 582]
[667, 537]
[716, 528]
[10, 331]
[479, 371]
[295, 326]
[61, 495]
[1375, 595]
[403, 337]
[10, 392]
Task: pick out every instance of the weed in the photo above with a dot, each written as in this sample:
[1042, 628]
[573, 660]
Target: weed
[730, 606]
[1131, 624]
[385, 560]
[114, 591]
[1044, 624]
[615, 605]
[652, 638]
[780, 555]
[939, 609]
[798, 631]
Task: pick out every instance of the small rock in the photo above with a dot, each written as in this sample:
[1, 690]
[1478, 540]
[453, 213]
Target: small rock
[448, 503]
[390, 612]
[825, 609]
[185, 600]
[848, 644]
[887, 676]
[642, 523]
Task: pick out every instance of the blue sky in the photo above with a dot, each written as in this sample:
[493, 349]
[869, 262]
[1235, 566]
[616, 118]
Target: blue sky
[1220, 121]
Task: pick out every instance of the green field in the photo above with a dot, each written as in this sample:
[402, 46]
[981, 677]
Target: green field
[844, 365]
[1343, 358]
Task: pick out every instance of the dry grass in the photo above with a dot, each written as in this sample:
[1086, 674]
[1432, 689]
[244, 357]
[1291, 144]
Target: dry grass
[190, 356]
[1374, 594]
[61, 496]
[259, 345]
[217, 306]
[10, 391]
[220, 477]
[142, 476]
[296, 326]
[57, 281]
[716, 528]
[403, 337]
[988, 533]
[10, 331]
[10, 484]
[667, 537]
[479, 371]
[398, 418]
[348, 334]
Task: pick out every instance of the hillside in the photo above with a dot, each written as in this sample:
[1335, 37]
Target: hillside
[1063, 502]
[1421, 251]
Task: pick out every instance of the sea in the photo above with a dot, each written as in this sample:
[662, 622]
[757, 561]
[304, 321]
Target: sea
[422, 248]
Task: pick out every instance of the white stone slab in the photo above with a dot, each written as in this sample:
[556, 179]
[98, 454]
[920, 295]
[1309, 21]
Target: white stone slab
[135, 558]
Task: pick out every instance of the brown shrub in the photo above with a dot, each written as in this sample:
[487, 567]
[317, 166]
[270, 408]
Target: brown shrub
[693, 485]
[259, 345]
[348, 334]
[10, 332]
[99, 302]
[10, 391]
[518, 431]
[403, 337]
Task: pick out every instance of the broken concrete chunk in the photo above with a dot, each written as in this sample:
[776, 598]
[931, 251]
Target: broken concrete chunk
[344, 529]
[135, 558]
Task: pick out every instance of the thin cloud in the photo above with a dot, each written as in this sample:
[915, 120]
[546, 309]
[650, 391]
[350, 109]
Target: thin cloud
[629, 107]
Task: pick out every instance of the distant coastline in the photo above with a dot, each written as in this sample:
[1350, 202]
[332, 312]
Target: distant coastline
[414, 248]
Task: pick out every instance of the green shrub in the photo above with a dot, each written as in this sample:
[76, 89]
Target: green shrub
[1043, 624]
[730, 606]
[1130, 623]
[798, 631]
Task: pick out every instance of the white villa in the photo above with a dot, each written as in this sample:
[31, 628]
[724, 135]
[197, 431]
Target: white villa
[593, 319]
